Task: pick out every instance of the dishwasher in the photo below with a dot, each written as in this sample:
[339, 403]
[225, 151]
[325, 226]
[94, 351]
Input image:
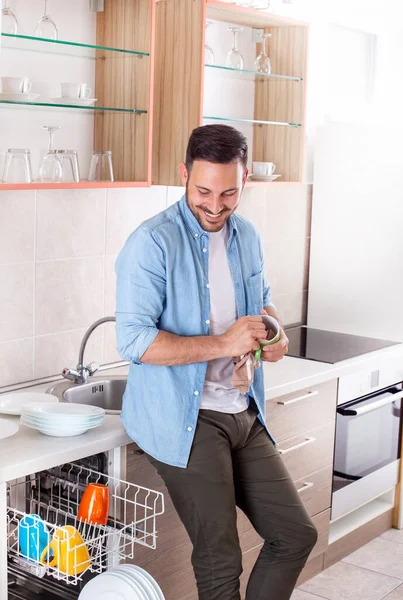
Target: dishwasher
[55, 495]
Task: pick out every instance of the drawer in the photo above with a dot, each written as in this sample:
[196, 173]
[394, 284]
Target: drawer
[322, 524]
[316, 490]
[292, 414]
[309, 452]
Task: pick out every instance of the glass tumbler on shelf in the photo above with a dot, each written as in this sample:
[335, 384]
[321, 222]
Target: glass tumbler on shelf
[101, 168]
[262, 62]
[68, 160]
[234, 57]
[46, 27]
[17, 166]
[209, 58]
[9, 23]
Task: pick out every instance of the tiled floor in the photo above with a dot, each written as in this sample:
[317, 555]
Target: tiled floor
[374, 572]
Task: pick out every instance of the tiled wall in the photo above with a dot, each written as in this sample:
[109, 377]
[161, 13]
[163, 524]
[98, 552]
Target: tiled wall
[57, 254]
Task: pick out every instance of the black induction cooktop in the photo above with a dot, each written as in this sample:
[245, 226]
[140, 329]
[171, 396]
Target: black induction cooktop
[330, 346]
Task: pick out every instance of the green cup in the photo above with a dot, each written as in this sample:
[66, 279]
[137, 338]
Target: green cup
[271, 325]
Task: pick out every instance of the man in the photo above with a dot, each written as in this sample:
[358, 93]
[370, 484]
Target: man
[190, 289]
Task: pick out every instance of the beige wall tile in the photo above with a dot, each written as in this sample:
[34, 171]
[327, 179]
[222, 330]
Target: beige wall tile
[58, 350]
[126, 209]
[110, 285]
[17, 220]
[70, 223]
[16, 301]
[110, 345]
[69, 294]
[288, 213]
[253, 206]
[16, 360]
[285, 262]
[291, 307]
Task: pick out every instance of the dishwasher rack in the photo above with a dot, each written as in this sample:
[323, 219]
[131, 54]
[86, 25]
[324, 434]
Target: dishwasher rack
[55, 496]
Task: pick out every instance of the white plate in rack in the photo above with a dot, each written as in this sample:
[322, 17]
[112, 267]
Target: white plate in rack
[138, 579]
[7, 428]
[150, 579]
[110, 586]
[11, 404]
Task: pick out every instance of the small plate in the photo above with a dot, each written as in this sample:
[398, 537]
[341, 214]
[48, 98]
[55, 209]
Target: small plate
[253, 177]
[108, 586]
[18, 97]
[11, 404]
[75, 101]
[7, 428]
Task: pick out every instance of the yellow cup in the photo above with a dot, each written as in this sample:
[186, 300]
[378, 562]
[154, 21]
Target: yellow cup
[70, 554]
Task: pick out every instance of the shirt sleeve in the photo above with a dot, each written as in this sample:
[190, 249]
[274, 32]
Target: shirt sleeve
[140, 293]
[267, 301]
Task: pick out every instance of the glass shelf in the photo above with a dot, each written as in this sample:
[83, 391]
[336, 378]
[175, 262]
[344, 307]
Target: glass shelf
[90, 109]
[64, 47]
[250, 121]
[251, 75]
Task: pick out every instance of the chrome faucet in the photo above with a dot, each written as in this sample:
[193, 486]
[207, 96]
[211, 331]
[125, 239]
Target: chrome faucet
[81, 373]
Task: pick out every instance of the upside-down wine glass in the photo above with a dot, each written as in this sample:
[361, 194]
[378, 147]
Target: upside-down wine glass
[46, 27]
[9, 23]
[235, 58]
[209, 58]
[262, 62]
[51, 168]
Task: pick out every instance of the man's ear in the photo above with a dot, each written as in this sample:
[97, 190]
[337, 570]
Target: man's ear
[184, 174]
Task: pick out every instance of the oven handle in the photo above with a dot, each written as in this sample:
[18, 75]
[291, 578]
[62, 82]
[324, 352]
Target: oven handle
[370, 407]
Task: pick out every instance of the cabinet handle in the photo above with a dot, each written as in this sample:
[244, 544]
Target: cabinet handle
[306, 486]
[307, 441]
[298, 398]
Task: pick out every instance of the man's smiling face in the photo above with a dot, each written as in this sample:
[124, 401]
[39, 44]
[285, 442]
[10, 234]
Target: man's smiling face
[213, 191]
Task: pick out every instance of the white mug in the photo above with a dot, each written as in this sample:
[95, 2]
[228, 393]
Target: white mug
[15, 85]
[75, 90]
[263, 168]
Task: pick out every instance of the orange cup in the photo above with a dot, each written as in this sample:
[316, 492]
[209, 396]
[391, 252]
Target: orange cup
[94, 505]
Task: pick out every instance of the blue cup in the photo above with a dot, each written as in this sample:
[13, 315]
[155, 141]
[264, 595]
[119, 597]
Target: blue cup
[33, 537]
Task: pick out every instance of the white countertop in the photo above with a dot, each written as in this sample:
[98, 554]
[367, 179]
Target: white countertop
[29, 451]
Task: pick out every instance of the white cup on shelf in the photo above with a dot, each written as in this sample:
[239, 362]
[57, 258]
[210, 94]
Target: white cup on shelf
[15, 85]
[263, 168]
[75, 90]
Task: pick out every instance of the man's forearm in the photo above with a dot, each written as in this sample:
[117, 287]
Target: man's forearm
[171, 350]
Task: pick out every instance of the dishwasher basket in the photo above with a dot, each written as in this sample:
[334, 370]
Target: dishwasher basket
[55, 496]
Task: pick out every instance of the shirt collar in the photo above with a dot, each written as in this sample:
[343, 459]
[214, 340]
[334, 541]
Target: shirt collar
[194, 226]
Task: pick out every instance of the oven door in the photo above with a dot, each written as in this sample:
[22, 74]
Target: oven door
[367, 448]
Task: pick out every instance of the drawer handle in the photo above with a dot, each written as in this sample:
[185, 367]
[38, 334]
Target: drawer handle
[307, 485]
[307, 441]
[298, 398]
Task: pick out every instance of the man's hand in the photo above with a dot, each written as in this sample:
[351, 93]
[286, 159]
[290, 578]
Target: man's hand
[242, 336]
[277, 351]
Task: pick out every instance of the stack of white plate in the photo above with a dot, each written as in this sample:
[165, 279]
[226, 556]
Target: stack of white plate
[126, 582]
[11, 404]
[63, 419]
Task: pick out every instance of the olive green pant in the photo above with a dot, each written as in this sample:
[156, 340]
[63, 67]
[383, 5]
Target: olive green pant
[233, 462]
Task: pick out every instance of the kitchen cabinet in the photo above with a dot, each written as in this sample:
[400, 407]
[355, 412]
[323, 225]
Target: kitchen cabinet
[113, 52]
[269, 109]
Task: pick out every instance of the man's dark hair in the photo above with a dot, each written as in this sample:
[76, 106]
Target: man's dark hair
[216, 144]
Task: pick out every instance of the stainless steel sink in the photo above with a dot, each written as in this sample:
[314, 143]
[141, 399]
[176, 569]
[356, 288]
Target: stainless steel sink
[106, 392]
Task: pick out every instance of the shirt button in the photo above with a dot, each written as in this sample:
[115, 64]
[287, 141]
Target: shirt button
[208, 322]
[190, 428]
[204, 249]
[196, 235]
[196, 393]
[208, 285]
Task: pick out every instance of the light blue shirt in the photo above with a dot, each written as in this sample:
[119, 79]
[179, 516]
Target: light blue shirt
[162, 283]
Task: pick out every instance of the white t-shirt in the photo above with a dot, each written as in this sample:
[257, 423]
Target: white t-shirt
[218, 393]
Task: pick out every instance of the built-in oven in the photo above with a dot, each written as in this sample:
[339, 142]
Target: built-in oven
[367, 448]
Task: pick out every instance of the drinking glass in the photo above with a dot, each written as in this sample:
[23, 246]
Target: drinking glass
[262, 62]
[235, 58]
[101, 168]
[17, 166]
[46, 27]
[9, 23]
[50, 169]
[209, 58]
[68, 160]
